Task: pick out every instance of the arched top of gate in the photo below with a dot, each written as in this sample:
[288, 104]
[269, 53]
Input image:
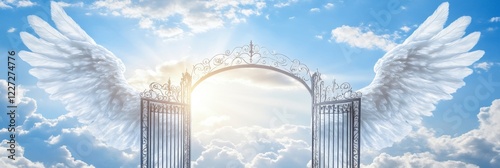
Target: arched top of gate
[251, 56]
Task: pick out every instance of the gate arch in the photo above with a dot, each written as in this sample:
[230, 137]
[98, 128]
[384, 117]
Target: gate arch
[166, 110]
[251, 56]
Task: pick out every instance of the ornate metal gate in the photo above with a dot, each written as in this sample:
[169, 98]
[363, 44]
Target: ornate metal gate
[335, 125]
[166, 115]
[166, 125]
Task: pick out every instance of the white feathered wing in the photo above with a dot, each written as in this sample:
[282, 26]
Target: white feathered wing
[86, 77]
[410, 79]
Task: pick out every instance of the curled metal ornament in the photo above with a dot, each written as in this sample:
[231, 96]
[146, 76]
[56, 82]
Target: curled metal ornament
[334, 92]
[163, 92]
[251, 55]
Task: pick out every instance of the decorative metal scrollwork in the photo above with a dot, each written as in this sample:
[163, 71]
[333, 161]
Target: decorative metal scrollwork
[251, 55]
[163, 92]
[336, 110]
[333, 92]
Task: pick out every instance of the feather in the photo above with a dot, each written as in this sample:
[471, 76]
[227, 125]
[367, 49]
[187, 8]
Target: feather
[410, 79]
[86, 77]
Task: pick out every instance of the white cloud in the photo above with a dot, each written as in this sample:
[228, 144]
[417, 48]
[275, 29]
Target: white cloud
[67, 144]
[16, 3]
[495, 19]
[201, 22]
[285, 4]
[490, 29]
[478, 147]
[169, 32]
[405, 29]
[415, 160]
[65, 4]
[11, 30]
[315, 10]
[145, 23]
[356, 37]
[20, 160]
[485, 66]
[328, 6]
[188, 16]
[3, 5]
[25, 3]
[285, 146]
[291, 17]
[320, 37]
[162, 73]
[69, 160]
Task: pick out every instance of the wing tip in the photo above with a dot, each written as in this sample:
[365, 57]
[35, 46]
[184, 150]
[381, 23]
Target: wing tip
[54, 6]
[444, 5]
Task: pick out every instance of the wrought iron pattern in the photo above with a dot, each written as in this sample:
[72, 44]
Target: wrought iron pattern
[144, 133]
[166, 111]
[335, 124]
[163, 92]
[251, 55]
[334, 92]
[166, 125]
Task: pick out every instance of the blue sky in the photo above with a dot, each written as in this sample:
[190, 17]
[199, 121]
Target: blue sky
[158, 40]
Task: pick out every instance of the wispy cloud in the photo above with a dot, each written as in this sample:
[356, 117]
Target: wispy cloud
[171, 19]
[11, 30]
[3, 5]
[356, 37]
[315, 10]
[485, 66]
[405, 29]
[284, 4]
[65, 4]
[320, 37]
[490, 29]
[495, 19]
[328, 6]
[16, 3]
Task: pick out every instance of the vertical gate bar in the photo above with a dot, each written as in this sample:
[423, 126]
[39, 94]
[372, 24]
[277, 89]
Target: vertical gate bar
[343, 149]
[142, 134]
[176, 142]
[176, 127]
[171, 137]
[353, 138]
[181, 109]
[313, 123]
[322, 115]
[153, 140]
[348, 139]
[329, 135]
[158, 136]
[182, 134]
[338, 144]
[164, 134]
[149, 135]
[334, 126]
[359, 129]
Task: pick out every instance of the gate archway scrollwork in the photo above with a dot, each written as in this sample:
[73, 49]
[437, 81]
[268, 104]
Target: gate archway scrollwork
[166, 110]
